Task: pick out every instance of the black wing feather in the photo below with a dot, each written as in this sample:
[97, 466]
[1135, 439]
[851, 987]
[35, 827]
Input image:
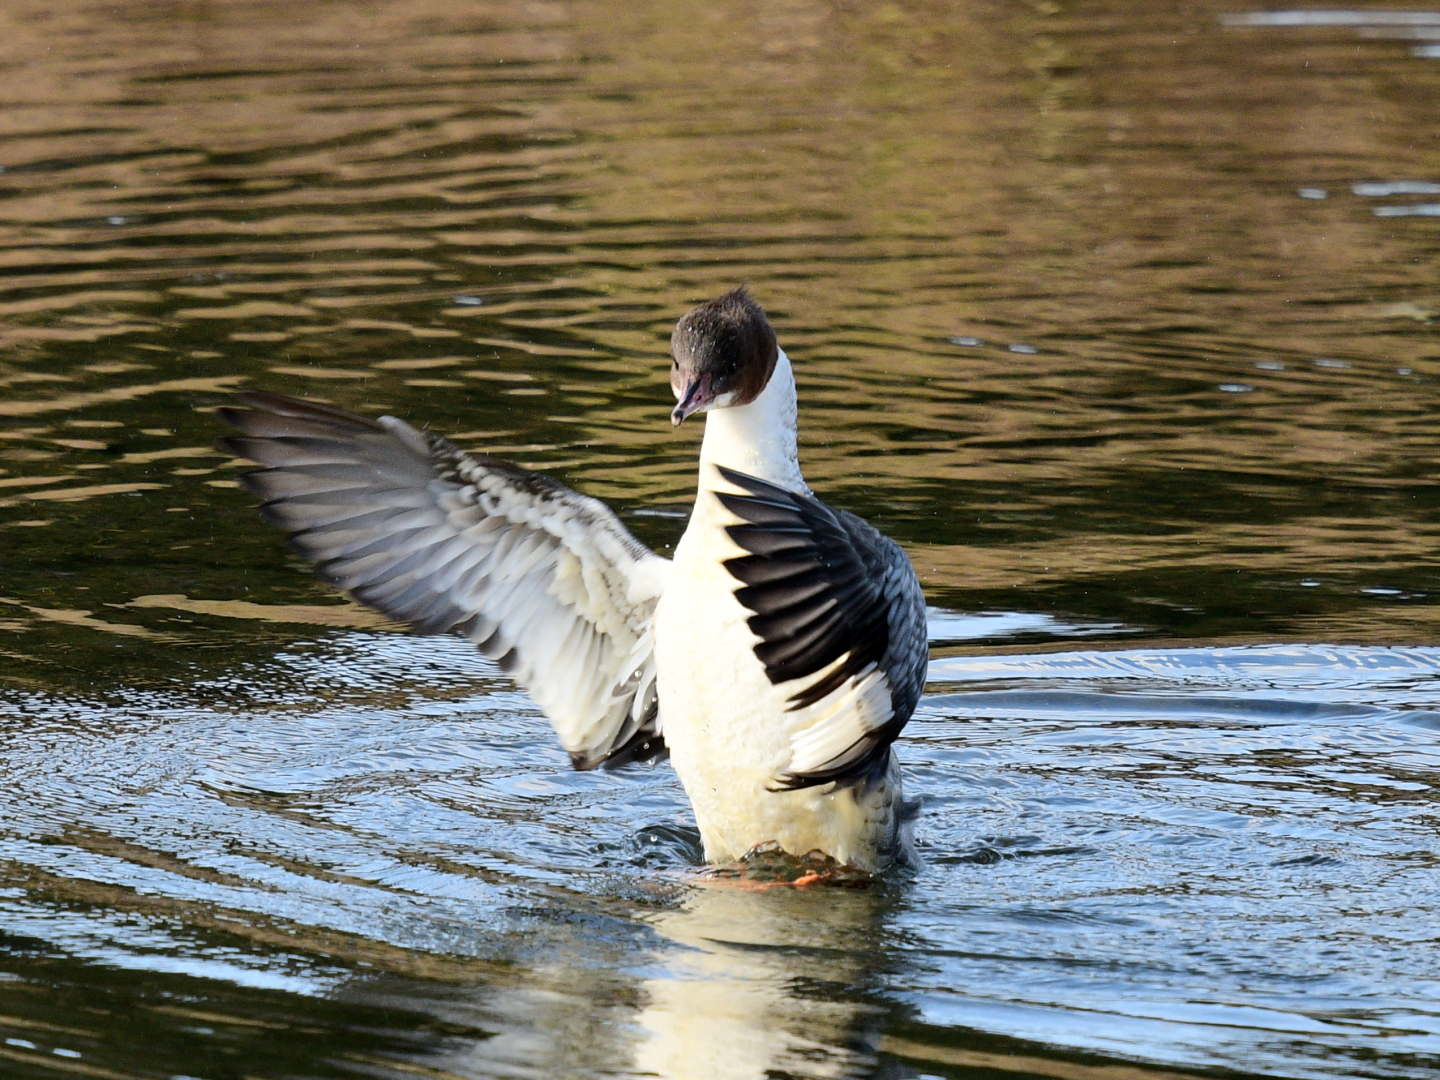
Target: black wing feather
[822, 585]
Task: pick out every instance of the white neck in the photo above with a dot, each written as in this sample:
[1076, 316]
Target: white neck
[758, 438]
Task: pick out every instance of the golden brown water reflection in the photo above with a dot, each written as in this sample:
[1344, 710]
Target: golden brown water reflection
[488, 217]
[1107, 312]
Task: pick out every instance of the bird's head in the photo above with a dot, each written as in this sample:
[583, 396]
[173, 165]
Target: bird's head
[722, 353]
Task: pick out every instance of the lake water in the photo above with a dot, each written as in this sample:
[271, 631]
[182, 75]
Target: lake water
[1122, 319]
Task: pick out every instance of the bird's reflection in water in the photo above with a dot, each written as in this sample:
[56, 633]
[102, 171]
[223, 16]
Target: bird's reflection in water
[761, 983]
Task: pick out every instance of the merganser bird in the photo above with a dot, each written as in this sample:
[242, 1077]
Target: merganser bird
[777, 657]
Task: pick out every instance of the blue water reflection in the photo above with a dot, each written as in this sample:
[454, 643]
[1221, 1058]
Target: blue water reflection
[1204, 856]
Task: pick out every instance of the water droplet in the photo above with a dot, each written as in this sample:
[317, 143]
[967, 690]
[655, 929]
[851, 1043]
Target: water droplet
[1404, 371]
[1332, 365]
[1309, 583]
[1028, 350]
[1313, 193]
[1236, 387]
[115, 219]
[1269, 365]
[469, 301]
[968, 342]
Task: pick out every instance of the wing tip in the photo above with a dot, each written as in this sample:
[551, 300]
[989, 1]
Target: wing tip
[266, 402]
[863, 769]
[644, 745]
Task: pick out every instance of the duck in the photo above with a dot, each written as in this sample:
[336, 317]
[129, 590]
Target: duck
[775, 658]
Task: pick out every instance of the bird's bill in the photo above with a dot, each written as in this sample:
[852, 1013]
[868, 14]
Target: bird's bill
[696, 394]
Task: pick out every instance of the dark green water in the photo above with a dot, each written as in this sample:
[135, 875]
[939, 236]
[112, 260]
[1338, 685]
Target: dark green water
[1122, 318]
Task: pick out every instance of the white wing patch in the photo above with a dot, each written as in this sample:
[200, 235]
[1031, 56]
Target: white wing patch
[839, 721]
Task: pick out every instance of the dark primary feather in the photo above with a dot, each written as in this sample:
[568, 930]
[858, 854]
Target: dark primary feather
[448, 541]
[823, 584]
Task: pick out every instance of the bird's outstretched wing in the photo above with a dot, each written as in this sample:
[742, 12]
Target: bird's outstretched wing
[543, 579]
[840, 615]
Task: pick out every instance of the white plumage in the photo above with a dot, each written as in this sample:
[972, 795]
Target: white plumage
[732, 734]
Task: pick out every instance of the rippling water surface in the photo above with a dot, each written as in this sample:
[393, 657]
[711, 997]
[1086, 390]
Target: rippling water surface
[1121, 317]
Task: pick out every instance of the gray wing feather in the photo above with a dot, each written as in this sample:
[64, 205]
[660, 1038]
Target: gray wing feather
[544, 580]
[907, 654]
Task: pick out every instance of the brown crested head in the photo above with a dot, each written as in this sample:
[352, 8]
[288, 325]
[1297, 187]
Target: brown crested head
[722, 353]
